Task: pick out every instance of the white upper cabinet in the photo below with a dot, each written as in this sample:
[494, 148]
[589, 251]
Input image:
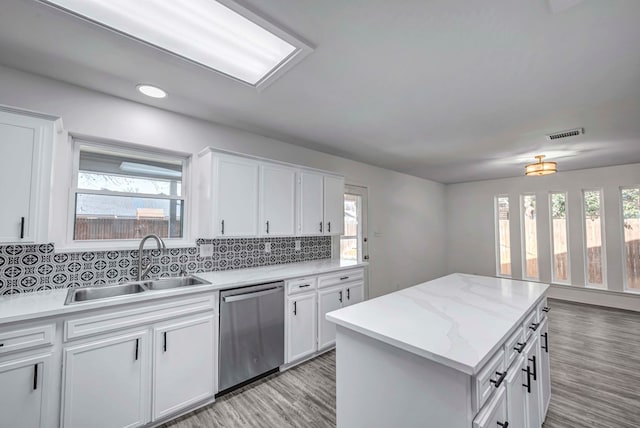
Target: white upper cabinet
[277, 200]
[311, 203]
[333, 205]
[25, 171]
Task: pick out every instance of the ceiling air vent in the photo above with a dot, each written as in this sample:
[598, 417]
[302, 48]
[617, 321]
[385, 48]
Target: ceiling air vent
[565, 134]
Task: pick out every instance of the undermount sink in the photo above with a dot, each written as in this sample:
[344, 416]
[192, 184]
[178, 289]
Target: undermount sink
[166, 283]
[80, 295]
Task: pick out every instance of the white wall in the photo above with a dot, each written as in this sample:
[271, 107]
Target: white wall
[471, 228]
[406, 214]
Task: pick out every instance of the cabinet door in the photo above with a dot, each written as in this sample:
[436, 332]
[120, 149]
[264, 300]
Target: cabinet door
[329, 299]
[494, 414]
[333, 205]
[353, 293]
[311, 203]
[20, 151]
[237, 197]
[277, 201]
[515, 381]
[545, 370]
[183, 369]
[301, 326]
[532, 380]
[22, 382]
[106, 382]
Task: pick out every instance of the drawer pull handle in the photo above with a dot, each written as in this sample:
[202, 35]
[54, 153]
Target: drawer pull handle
[222, 227]
[503, 424]
[499, 380]
[546, 342]
[520, 347]
[546, 309]
[1, 345]
[35, 377]
[164, 344]
[535, 370]
[534, 326]
[329, 227]
[342, 278]
[295, 308]
[340, 296]
[137, 348]
[320, 227]
[21, 227]
[348, 294]
[304, 286]
[528, 384]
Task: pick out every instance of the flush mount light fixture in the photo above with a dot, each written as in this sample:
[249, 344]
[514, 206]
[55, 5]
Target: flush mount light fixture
[217, 34]
[540, 167]
[151, 91]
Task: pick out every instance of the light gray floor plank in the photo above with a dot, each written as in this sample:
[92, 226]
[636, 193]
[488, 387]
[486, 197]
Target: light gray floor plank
[595, 380]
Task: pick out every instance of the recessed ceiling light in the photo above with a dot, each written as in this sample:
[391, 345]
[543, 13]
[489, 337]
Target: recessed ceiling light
[219, 35]
[151, 91]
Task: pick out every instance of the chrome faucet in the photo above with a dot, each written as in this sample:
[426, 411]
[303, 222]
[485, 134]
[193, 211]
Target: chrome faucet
[161, 246]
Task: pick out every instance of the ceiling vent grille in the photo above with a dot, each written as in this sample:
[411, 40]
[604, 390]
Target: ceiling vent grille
[565, 134]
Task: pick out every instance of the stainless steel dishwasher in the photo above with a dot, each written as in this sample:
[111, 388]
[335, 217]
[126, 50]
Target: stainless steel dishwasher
[251, 333]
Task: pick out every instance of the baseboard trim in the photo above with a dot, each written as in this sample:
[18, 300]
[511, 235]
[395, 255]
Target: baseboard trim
[590, 296]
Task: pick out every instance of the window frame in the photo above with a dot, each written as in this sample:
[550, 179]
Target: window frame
[134, 150]
[523, 243]
[625, 287]
[551, 232]
[496, 224]
[603, 245]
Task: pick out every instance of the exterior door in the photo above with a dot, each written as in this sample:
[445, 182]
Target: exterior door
[107, 382]
[311, 203]
[277, 201]
[301, 326]
[184, 356]
[329, 299]
[237, 197]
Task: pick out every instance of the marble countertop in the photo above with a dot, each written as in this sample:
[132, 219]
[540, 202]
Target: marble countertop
[29, 306]
[458, 320]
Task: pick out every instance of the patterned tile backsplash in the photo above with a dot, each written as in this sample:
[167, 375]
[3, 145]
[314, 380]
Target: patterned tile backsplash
[26, 268]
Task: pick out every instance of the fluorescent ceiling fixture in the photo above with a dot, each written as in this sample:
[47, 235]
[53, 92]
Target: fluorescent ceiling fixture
[152, 91]
[220, 35]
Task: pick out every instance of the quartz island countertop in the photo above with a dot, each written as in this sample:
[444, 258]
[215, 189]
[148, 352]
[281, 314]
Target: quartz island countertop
[458, 320]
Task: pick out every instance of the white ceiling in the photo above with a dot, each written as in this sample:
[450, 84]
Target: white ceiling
[450, 90]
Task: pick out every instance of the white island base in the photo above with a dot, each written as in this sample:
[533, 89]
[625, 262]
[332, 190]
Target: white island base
[461, 351]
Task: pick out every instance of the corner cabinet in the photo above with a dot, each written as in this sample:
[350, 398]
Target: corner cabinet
[242, 196]
[25, 161]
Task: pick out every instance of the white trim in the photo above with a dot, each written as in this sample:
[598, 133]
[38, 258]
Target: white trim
[551, 233]
[523, 243]
[623, 242]
[603, 246]
[598, 297]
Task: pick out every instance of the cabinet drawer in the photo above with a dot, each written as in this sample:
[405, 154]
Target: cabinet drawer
[144, 313]
[530, 324]
[340, 277]
[34, 337]
[513, 347]
[489, 379]
[300, 285]
[543, 308]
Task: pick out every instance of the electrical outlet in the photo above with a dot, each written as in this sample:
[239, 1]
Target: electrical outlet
[298, 245]
[206, 250]
[267, 247]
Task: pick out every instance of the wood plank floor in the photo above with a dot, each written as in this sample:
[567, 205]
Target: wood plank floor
[595, 380]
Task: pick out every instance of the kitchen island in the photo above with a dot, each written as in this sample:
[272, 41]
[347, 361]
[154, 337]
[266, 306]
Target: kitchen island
[458, 351]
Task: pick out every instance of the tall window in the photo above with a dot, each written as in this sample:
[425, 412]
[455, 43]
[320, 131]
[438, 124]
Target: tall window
[529, 237]
[593, 238]
[631, 229]
[559, 236]
[503, 238]
[122, 194]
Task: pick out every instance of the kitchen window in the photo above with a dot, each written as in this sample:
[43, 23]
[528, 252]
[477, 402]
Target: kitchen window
[503, 237]
[529, 236]
[593, 216]
[630, 200]
[121, 194]
[559, 237]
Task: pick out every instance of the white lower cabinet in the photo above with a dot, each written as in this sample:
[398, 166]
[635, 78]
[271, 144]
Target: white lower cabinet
[532, 382]
[494, 414]
[545, 369]
[515, 383]
[354, 293]
[23, 403]
[183, 366]
[329, 299]
[301, 326]
[106, 382]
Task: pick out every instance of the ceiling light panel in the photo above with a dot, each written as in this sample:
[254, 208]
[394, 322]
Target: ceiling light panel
[218, 35]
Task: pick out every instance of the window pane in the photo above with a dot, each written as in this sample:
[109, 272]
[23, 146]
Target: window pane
[559, 237]
[593, 236]
[349, 249]
[504, 237]
[351, 215]
[631, 217]
[530, 236]
[126, 217]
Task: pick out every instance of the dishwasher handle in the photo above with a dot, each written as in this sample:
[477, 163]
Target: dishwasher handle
[251, 295]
